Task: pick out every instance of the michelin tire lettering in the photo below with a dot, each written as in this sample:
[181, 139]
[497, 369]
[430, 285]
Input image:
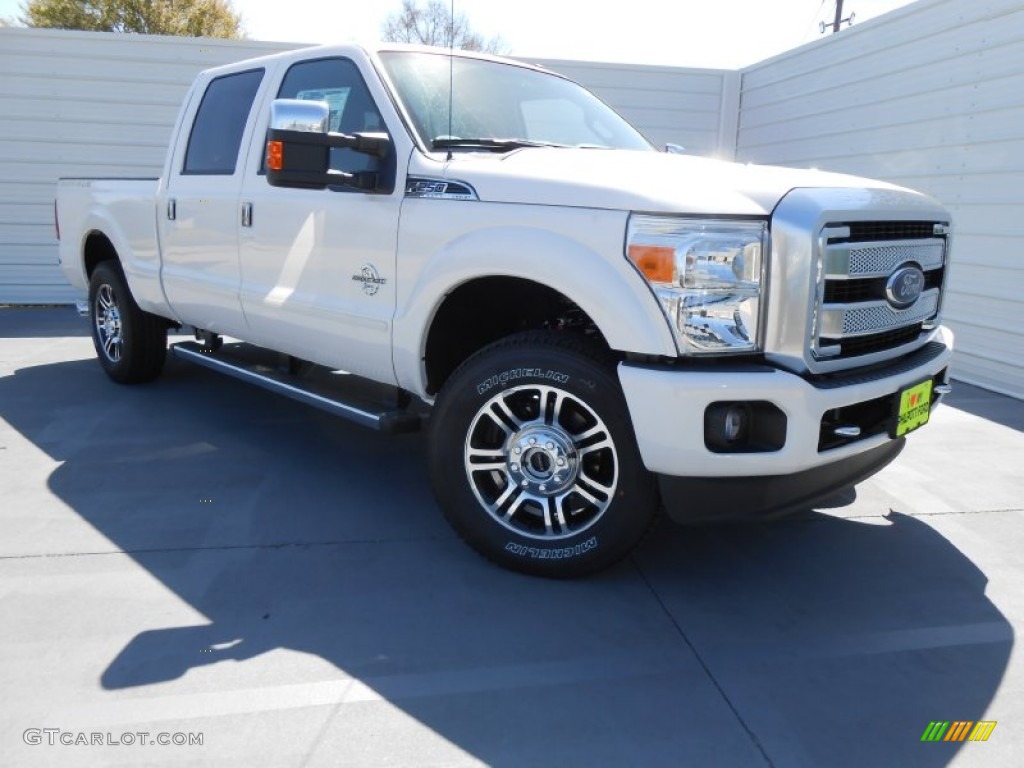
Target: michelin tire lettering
[557, 553]
[520, 373]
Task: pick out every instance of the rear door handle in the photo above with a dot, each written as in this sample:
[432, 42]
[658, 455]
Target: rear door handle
[246, 214]
[172, 209]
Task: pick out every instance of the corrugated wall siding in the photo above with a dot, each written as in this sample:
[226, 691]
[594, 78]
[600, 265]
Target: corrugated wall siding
[83, 104]
[695, 108]
[95, 104]
[932, 97]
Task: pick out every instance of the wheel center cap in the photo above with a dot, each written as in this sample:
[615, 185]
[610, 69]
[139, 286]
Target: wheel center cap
[542, 460]
[111, 323]
[539, 464]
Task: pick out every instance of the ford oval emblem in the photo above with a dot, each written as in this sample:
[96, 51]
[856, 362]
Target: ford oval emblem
[904, 286]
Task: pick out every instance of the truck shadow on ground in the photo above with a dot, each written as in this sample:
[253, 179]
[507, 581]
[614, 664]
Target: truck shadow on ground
[813, 641]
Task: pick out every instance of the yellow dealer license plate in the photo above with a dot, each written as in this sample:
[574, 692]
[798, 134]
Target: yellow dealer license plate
[914, 408]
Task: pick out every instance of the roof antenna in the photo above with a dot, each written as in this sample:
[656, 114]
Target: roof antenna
[451, 75]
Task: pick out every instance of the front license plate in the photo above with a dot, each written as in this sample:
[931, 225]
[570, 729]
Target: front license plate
[914, 408]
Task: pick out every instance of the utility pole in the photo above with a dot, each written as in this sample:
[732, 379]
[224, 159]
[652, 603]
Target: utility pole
[839, 16]
[839, 21]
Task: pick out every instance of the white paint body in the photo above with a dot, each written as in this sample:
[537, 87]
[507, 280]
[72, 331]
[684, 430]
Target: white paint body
[554, 216]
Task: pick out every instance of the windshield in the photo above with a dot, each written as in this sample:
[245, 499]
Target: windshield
[498, 107]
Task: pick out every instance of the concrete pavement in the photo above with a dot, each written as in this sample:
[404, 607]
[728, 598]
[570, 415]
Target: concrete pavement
[199, 557]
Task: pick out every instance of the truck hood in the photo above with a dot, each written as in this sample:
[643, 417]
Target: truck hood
[635, 181]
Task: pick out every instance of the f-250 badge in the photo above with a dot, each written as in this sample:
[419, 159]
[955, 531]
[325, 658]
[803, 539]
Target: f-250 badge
[370, 278]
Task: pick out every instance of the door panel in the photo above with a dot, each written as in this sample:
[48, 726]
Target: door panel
[318, 266]
[199, 219]
[318, 277]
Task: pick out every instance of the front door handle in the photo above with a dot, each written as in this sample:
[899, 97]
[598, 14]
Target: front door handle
[172, 209]
[246, 214]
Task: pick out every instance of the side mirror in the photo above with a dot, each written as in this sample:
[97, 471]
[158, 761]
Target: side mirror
[674, 149]
[299, 144]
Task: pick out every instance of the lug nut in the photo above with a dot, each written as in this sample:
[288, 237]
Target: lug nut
[515, 467]
[550, 446]
[533, 441]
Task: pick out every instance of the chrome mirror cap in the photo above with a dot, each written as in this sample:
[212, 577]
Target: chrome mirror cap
[299, 115]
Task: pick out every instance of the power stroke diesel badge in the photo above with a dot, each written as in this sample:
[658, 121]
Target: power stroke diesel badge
[370, 278]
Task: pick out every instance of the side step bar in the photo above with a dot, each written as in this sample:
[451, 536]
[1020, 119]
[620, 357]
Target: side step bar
[248, 363]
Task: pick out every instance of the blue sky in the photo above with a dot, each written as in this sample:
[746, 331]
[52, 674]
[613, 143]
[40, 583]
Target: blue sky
[698, 33]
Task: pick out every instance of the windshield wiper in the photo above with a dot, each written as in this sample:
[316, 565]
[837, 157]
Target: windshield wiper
[489, 145]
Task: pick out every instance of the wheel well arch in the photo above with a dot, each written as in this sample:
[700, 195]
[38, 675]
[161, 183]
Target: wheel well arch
[97, 248]
[485, 309]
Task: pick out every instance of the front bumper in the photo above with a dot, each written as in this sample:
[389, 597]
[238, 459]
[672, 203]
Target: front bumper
[668, 405]
[715, 499]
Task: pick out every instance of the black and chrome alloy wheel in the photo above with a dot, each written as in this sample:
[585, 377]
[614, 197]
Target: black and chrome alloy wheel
[541, 462]
[533, 459]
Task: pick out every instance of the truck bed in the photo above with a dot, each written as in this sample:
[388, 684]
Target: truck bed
[124, 209]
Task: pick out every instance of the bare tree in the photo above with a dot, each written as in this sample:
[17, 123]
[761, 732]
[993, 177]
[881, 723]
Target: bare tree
[434, 24]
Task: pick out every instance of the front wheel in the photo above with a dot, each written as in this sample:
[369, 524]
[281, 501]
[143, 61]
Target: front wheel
[131, 344]
[533, 459]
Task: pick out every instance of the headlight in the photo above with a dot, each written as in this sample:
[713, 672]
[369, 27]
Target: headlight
[707, 275]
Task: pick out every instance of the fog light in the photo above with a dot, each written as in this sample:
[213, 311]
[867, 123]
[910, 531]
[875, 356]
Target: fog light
[735, 423]
[753, 426]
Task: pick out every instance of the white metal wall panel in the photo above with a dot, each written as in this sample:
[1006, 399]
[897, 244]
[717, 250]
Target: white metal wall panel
[932, 97]
[669, 105]
[83, 104]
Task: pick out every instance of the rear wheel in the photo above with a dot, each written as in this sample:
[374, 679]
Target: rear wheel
[131, 344]
[536, 467]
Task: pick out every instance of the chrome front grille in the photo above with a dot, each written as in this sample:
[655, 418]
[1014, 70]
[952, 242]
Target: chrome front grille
[855, 312]
[879, 260]
[872, 317]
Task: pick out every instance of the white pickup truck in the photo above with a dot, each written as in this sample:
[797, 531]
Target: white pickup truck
[591, 329]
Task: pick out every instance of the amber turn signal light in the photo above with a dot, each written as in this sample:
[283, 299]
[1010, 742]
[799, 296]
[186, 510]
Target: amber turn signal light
[275, 155]
[655, 262]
